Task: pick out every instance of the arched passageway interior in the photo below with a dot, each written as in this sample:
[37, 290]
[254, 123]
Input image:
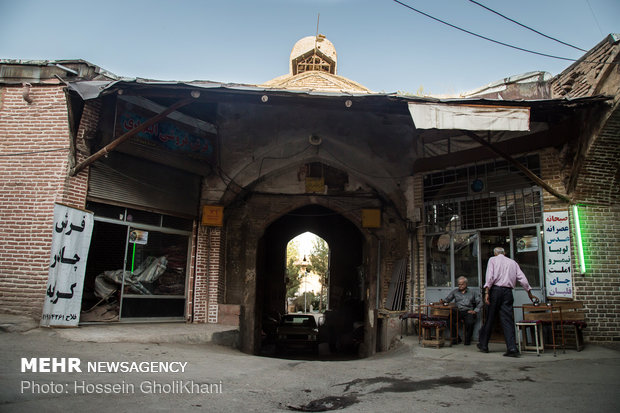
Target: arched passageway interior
[344, 320]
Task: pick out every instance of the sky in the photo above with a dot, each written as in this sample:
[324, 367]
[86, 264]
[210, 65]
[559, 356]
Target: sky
[381, 44]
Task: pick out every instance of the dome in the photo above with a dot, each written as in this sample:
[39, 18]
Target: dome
[312, 66]
[308, 44]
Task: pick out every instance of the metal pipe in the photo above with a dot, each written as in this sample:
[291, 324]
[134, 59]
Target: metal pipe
[378, 272]
[112, 145]
[518, 165]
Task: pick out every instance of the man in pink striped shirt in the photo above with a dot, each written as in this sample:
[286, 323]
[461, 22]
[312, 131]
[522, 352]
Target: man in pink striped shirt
[502, 276]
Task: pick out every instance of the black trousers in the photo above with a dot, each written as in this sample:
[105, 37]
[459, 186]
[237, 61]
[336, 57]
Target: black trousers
[467, 319]
[501, 302]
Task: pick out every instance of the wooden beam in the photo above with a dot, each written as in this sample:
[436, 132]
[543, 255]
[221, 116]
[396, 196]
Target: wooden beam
[112, 145]
[519, 166]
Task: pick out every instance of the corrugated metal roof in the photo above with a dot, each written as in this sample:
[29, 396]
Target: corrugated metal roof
[93, 89]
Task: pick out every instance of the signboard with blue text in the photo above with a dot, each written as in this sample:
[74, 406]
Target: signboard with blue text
[183, 134]
[558, 274]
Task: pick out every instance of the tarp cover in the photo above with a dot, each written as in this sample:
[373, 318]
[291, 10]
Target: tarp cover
[469, 117]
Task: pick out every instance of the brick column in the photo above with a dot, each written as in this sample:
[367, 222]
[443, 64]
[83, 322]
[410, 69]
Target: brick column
[207, 282]
[214, 267]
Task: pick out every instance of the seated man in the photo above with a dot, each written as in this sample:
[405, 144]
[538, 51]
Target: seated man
[468, 305]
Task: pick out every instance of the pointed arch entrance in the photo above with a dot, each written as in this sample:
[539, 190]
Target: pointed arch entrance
[346, 283]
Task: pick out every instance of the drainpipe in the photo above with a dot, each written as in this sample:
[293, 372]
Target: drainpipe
[415, 235]
[412, 246]
[378, 273]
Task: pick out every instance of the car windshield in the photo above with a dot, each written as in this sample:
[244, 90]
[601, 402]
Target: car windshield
[299, 320]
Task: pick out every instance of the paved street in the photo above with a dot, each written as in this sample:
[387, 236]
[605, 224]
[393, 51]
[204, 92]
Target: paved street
[221, 379]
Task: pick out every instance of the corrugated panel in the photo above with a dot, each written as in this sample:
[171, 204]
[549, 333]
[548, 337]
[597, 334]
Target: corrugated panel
[137, 182]
[396, 291]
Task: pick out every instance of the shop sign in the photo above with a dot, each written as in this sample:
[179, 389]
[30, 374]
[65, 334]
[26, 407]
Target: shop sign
[558, 274]
[171, 135]
[212, 215]
[371, 218]
[71, 236]
[139, 237]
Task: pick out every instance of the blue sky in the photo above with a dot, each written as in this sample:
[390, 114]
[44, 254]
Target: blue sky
[380, 44]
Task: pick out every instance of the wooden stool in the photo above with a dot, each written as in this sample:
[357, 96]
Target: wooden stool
[433, 333]
[537, 344]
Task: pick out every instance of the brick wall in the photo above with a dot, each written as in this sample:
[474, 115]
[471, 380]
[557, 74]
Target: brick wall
[420, 273]
[599, 177]
[206, 283]
[214, 270]
[199, 282]
[599, 288]
[34, 149]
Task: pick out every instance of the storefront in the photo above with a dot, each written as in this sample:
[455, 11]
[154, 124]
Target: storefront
[140, 253]
[137, 265]
[471, 210]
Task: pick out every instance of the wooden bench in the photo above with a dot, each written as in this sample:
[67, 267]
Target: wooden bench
[572, 315]
[563, 314]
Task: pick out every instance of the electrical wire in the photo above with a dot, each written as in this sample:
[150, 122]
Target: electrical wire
[335, 158]
[595, 19]
[260, 168]
[33, 152]
[481, 36]
[527, 27]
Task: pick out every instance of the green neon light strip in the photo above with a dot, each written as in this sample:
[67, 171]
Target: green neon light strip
[582, 260]
[133, 257]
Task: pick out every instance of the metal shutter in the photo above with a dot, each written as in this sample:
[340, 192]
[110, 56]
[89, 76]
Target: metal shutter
[132, 181]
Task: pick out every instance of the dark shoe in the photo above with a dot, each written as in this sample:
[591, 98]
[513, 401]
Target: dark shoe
[467, 343]
[482, 349]
[511, 354]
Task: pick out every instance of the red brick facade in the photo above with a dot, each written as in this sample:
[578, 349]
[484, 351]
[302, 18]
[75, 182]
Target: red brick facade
[206, 283]
[34, 141]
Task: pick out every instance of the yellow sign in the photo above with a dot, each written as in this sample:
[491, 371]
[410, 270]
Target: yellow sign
[212, 215]
[371, 218]
[315, 184]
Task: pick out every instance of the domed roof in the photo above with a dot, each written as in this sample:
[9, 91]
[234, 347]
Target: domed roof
[308, 44]
[312, 66]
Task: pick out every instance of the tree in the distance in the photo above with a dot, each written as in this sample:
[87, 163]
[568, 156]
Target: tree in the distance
[319, 264]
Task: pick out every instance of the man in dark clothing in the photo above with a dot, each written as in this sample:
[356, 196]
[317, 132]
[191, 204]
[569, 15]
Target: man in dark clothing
[468, 305]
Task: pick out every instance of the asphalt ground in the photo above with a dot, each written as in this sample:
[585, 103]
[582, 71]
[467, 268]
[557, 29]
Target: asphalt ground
[219, 378]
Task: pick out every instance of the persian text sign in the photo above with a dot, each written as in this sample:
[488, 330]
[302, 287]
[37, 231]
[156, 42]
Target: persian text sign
[72, 231]
[558, 275]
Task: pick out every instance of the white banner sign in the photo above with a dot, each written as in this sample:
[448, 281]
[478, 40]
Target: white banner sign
[72, 231]
[558, 275]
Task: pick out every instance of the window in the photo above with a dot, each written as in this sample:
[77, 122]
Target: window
[155, 251]
[438, 268]
[466, 257]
